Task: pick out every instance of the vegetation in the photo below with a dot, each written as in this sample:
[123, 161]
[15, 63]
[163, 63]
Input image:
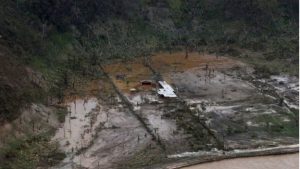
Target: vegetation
[29, 152]
[276, 125]
[66, 40]
[61, 113]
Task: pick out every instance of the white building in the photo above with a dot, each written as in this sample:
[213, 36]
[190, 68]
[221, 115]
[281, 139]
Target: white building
[165, 89]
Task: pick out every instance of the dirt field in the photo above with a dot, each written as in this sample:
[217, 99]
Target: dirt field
[169, 63]
[128, 75]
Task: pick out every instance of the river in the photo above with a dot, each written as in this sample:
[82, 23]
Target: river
[289, 161]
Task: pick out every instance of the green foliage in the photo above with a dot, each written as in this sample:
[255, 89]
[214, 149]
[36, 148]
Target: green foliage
[29, 152]
[276, 125]
[65, 41]
[61, 114]
[175, 5]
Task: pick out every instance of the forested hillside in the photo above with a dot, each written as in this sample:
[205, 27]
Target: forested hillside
[64, 38]
[48, 46]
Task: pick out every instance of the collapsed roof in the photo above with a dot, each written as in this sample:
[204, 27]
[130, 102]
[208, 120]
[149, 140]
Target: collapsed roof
[166, 90]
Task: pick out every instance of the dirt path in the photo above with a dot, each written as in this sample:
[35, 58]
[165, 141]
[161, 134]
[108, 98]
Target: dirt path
[290, 161]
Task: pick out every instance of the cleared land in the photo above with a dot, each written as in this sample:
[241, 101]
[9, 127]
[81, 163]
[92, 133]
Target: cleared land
[221, 106]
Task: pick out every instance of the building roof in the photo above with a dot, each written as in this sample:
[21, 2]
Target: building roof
[166, 90]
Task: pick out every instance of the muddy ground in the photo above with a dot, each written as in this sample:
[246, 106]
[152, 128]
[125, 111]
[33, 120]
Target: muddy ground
[221, 105]
[99, 131]
[242, 114]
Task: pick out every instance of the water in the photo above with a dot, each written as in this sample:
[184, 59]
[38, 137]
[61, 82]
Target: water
[290, 161]
[77, 130]
[97, 135]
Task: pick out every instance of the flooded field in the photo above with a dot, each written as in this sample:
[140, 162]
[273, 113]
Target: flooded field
[242, 113]
[290, 161]
[221, 105]
[78, 130]
[153, 110]
[98, 135]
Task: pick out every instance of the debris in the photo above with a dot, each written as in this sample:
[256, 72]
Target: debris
[166, 90]
[133, 90]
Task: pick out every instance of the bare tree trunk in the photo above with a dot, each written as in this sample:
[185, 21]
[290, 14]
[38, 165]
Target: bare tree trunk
[108, 38]
[186, 51]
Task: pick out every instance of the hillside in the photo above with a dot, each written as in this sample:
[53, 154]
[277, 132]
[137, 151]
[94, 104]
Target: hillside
[52, 49]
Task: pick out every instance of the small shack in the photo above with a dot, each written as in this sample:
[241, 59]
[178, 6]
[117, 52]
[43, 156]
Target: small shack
[165, 89]
[147, 82]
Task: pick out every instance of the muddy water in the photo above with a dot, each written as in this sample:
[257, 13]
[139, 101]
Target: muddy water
[164, 128]
[151, 108]
[120, 137]
[288, 87]
[77, 132]
[98, 135]
[290, 161]
[195, 83]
